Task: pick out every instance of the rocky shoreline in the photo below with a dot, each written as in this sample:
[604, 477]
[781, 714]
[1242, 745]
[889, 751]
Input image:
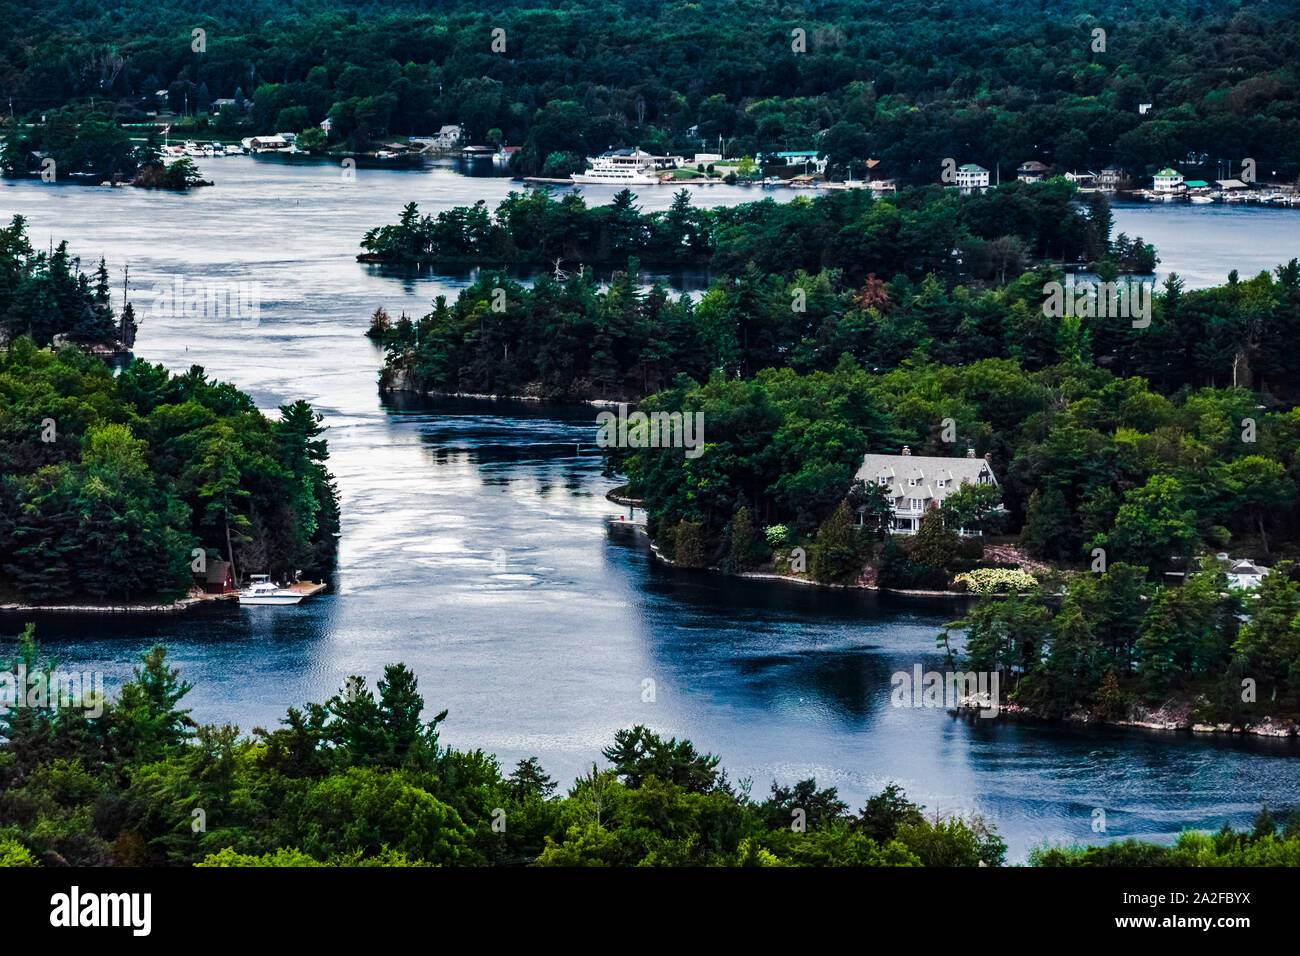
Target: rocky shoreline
[1169, 717]
[182, 605]
[398, 380]
[795, 579]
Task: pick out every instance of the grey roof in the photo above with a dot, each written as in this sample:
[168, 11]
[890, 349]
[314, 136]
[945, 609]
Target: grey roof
[927, 470]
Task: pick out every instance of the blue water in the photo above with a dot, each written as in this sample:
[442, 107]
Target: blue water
[476, 545]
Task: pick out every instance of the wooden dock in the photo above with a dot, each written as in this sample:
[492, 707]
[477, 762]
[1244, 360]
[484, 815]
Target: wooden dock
[308, 588]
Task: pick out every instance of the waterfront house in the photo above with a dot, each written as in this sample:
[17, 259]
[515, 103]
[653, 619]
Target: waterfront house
[1168, 180]
[1244, 573]
[1112, 177]
[916, 483]
[256, 144]
[1032, 171]
[1233, 189]
[971, 178]
[1082, 180]
[448, 137]
[807, 158]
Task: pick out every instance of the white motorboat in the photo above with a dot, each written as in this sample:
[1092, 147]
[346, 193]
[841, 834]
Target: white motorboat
[261, 590]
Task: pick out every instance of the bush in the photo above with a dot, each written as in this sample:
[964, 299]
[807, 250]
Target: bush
[688, 544]
[13, 853]
[989, 580]
[835, 552]
[745, 548]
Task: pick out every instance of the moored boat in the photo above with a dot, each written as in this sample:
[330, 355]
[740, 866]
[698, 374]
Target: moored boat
[261, 590]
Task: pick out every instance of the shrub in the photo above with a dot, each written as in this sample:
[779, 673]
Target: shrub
[990, 580]
[688, 544]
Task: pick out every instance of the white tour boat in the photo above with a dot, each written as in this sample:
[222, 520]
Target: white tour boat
[617, 171]
[260, 590]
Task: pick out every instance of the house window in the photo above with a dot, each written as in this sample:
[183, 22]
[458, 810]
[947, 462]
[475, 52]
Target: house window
[884, 480]
[911, 482]
[942, 483]
[916, 504]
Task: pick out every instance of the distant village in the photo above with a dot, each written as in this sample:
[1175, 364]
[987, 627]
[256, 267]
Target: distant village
[797, 169]
[1195, 179]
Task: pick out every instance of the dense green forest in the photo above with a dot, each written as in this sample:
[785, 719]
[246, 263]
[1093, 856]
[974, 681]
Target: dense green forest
[986, 236]
[1117, 645]
[362, 780]
[804, 283]
[909, 83]
[111, 481]
[1084, 458]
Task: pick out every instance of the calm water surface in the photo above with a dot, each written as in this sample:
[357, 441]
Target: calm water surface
[476, 545]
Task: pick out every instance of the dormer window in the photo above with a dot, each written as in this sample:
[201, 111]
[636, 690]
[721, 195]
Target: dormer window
[912, 482]
[884, 480]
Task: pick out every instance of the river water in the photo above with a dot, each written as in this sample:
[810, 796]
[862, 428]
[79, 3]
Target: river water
[476, 544]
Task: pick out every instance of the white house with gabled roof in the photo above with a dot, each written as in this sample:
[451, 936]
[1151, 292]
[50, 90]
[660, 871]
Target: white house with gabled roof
[916, 483]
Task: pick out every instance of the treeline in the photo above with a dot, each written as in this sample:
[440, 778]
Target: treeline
[363, 780]
[111, 482]
[988, 236]
[568, 338]
[1117, 647]
[44, 294]
[906, 82]
[89, 143]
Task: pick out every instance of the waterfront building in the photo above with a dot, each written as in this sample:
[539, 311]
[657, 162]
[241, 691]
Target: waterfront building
[916, 483]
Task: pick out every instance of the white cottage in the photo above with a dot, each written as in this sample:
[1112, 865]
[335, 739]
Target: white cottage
[916, 483]
[1245, 574]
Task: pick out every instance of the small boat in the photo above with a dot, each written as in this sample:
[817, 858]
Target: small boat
[1201, 199]
[260, 590]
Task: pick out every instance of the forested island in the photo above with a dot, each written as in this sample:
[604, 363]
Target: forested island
[76, 144]
[117, 488]
[985, 236]
[907, 83]
[844, 325]
[363, 780]
[800, 284]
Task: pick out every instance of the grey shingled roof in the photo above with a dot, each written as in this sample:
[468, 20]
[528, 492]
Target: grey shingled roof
[928, 469]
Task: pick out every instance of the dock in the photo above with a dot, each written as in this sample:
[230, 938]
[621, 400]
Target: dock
[308, 588]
